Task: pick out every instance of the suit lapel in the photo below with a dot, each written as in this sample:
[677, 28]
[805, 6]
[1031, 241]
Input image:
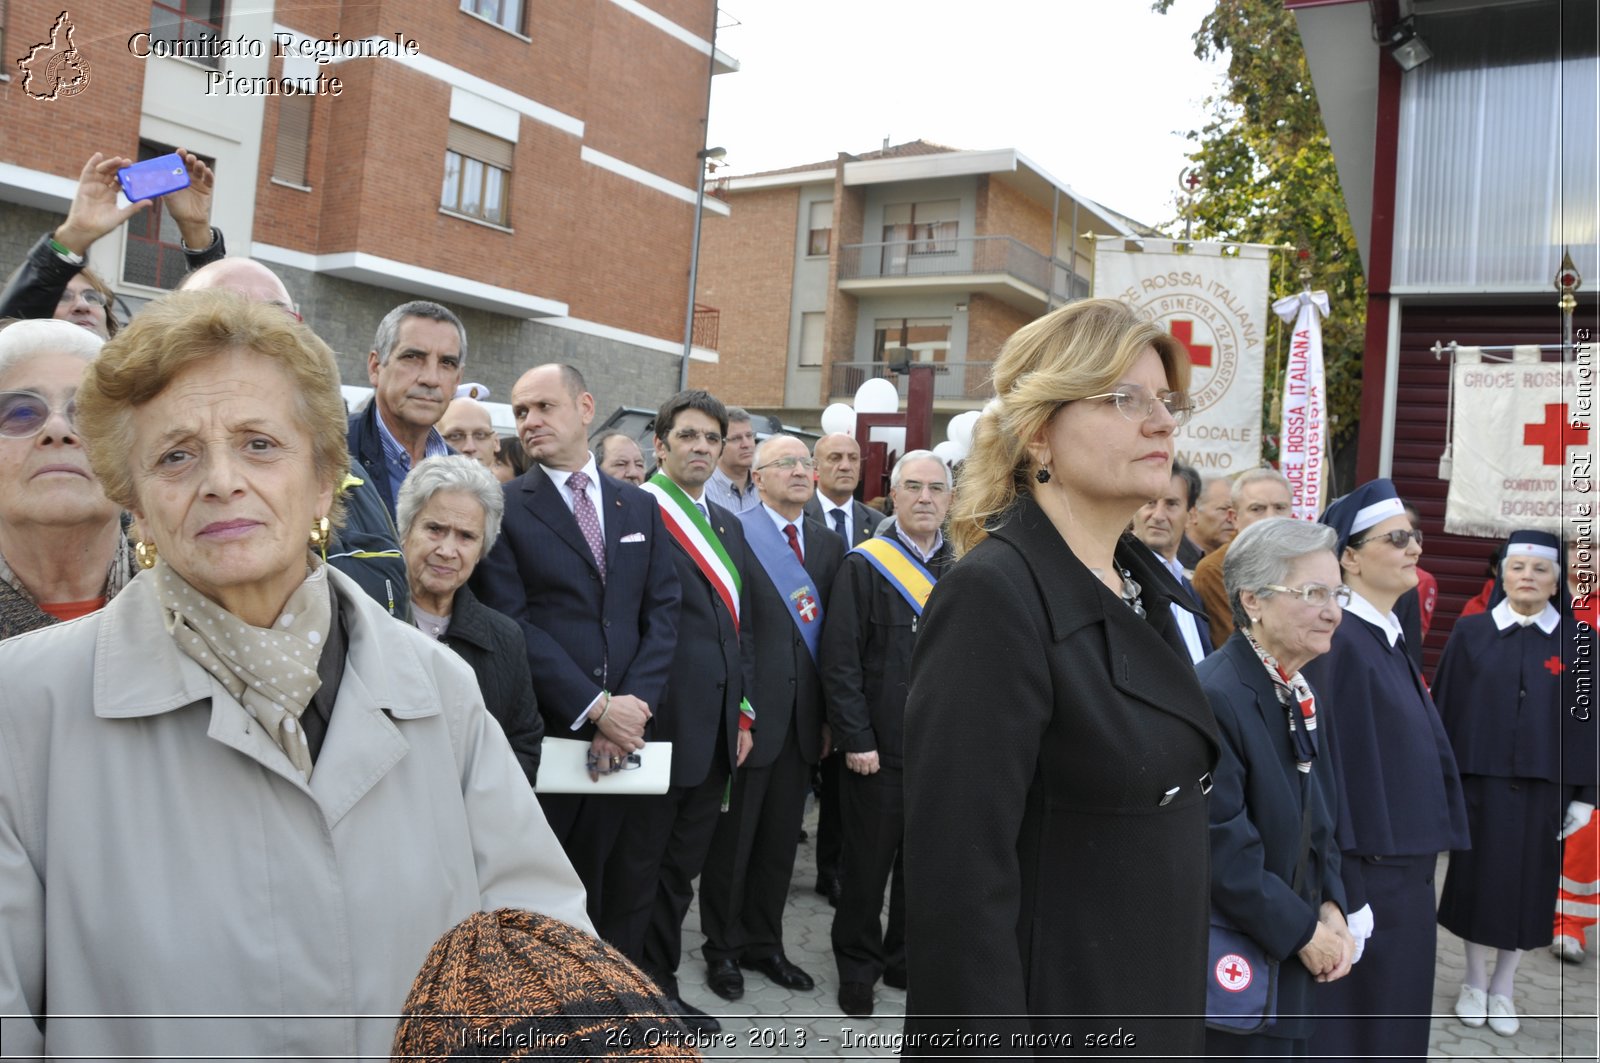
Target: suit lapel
[544, 501]
[611, 520]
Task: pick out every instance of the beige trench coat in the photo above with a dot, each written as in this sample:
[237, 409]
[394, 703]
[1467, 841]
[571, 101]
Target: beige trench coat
[159, 856]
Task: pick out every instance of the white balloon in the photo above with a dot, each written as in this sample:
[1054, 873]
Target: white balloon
[839, 417]
[877, 396]
[960, 431]
[950, 452]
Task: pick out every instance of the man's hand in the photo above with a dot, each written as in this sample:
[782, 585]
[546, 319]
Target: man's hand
[191, 207]
[624, 721]
[747, 742]
[94, 211]
[605, 756]
[862, 763]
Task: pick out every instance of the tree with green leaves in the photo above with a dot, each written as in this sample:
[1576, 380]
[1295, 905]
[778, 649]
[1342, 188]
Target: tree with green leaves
[1268, 177]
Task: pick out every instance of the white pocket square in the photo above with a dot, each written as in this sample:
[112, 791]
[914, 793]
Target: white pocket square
[636, 537]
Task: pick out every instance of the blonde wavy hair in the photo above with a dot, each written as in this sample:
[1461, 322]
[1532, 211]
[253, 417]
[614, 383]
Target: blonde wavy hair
[186, 327]
[1084, 348]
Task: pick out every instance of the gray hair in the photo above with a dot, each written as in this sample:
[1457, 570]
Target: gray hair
[23, 341]
[738, 413]
[1264, 552]
[1250, 476]
[452, 472]
[389, 327]
[916, 455]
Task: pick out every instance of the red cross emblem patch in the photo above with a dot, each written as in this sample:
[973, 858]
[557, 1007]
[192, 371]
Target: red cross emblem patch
[1554, 665]
[1233, 973]
[807, 608]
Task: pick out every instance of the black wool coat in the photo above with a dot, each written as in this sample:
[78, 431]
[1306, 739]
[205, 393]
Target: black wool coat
[492, 644]
[1057, 753]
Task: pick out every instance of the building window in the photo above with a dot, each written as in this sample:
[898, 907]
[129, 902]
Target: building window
[918, 229]
[811, 336]
[911, 339]
[507, 14]
[153, 255]
[294, 139]
[190, 22]
[821, 228]
[477, 174]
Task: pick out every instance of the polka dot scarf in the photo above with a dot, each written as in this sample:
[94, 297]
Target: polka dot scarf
[272, 671]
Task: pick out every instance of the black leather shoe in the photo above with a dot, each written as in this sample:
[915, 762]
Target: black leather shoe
[895, 978]
[693, 1017]
[855, 998]
[723, 979]
[778, 968]
[831, 888]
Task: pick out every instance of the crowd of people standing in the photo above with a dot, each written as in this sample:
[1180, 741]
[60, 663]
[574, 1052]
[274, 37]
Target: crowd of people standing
[286, 693]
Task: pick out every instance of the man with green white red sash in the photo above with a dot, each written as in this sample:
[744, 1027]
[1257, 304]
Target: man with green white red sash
[704, 712]
[873, 614]
[746, 880]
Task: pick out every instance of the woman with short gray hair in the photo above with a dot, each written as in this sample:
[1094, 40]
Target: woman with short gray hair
[1274, 858]
[449, 511]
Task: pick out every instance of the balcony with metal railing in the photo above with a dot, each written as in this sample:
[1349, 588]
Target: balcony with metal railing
[1002, 266]
[956, 385]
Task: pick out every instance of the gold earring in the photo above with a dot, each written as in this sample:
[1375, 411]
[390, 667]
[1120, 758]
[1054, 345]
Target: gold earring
[319, 532]
[146, 553]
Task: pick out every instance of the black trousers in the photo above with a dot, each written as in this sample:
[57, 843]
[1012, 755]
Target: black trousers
[830, 837]
[745, 883]
[872, 815]
[588, 828]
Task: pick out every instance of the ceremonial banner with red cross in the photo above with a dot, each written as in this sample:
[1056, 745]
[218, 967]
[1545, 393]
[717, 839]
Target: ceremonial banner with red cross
[1212, 297]
[1521, 458]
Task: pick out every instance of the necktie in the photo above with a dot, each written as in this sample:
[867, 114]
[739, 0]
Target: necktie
[794, 542]
[588, 520]
[701, 506]
[841, 525]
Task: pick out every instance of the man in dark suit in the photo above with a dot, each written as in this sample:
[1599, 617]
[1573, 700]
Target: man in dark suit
[1159, 524]
[414, 366]
[584, 566]
[650, 881]
[866, 668]
[746, 878]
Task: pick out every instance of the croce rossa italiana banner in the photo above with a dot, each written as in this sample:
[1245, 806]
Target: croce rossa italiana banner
[1217, 305]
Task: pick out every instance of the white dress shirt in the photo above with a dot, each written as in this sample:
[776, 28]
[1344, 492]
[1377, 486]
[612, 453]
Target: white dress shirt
[1186, 622]
[560, 478]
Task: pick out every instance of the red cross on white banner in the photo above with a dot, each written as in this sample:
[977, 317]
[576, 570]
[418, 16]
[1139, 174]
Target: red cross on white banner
[1555, 434]
[1183, 331]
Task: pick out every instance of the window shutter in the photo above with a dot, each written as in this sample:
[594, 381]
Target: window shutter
[476, 144]
[294, 139]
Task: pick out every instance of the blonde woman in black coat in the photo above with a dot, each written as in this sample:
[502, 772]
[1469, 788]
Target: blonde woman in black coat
[1057, 744]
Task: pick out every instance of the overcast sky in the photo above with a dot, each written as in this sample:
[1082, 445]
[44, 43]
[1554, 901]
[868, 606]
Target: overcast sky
[1098, 92]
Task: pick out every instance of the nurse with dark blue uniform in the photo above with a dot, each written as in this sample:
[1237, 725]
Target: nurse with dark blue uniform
[1400, 800]
[1504, 689]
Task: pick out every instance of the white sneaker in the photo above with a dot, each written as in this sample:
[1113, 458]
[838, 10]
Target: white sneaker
[1472, 1008]
[1566, 947]
[1502, 1016]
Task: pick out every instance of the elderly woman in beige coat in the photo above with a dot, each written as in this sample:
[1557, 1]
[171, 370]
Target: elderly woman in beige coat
[241, 789]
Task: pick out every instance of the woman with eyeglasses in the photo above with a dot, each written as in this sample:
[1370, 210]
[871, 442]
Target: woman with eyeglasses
[62, 551]
[1057, 745]
[1527, 762]
[1400, 800]
[1274, 858]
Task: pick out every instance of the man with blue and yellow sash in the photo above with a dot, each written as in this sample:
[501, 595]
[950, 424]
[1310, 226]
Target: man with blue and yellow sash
[746, 880]
[873, 616]
[704, 712]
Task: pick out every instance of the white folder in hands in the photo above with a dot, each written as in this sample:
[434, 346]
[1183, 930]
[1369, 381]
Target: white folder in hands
[564, 769]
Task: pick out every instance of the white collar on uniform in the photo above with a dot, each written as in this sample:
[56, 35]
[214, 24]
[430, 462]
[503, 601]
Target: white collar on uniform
[1504, 616]
[1388, 623]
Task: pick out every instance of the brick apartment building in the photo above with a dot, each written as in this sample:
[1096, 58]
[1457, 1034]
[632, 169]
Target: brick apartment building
[824, 275]
[533, 165]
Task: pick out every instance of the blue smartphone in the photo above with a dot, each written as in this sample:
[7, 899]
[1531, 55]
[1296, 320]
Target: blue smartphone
[154, 177]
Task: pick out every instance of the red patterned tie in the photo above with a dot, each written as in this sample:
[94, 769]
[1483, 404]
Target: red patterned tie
[794, 542]
[588, 521]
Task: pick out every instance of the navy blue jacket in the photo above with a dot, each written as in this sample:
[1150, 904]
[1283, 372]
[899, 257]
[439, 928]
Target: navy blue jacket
[584, 636]
[1256, 810]
[366, 451]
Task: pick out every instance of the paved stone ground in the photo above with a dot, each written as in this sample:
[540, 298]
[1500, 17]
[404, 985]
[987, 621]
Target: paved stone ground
[1557, 1001]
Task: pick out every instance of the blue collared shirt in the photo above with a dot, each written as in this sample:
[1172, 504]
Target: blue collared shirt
[397, 460]
[720, 490]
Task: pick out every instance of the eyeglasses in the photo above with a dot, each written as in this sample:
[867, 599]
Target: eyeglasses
[457, 436]
[690, 436]
[91, 296]
[1316, 594]
[789, 463]
[1137, 402]
[1397, 538]
[23, 413]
